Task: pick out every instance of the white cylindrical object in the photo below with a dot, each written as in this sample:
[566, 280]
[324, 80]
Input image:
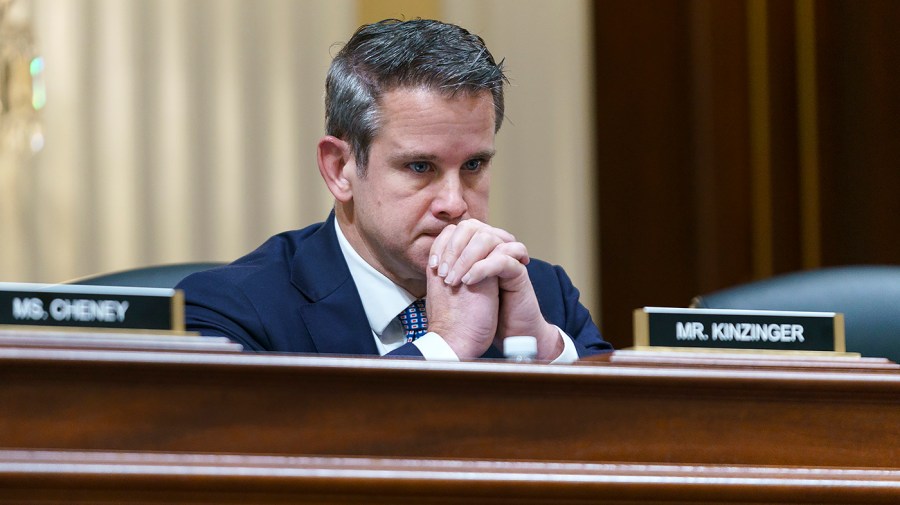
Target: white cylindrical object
[520, 348]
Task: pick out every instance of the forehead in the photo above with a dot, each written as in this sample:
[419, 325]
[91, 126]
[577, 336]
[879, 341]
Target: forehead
[418, 114]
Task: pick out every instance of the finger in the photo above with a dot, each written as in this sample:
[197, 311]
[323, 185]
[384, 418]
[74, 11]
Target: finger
[506, 262]
[515, 249]
[454, 244]
[479, 247]
[471, 241]
[439, 244]
[500, 267]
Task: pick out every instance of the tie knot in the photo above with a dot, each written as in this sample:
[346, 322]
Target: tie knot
[414, 320]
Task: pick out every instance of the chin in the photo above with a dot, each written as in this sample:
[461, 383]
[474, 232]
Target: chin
[418, 258]
[420, 263]
[423, 243]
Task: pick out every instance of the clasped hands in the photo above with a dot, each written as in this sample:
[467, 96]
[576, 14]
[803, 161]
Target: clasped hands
[479, 292]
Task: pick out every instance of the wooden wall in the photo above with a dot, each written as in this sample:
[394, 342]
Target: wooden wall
[741, 139]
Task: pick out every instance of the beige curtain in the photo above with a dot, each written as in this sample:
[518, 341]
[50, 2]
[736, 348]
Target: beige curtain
[181, 130]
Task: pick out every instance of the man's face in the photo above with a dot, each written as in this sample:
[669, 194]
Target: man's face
[428, 167]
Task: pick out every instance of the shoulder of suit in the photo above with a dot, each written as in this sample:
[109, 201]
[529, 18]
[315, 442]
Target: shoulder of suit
[270, 262]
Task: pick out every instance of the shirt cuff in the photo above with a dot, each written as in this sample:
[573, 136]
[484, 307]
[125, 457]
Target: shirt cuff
[434, 348]
[569, 353]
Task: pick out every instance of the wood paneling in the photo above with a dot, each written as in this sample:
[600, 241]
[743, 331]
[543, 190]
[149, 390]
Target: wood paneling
[648, 253]
[742, 139]
[858, 54]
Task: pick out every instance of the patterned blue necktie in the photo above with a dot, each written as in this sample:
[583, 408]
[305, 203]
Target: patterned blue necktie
[414, 320]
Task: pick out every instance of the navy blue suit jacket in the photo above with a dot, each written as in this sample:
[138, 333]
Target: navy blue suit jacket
[295, 294]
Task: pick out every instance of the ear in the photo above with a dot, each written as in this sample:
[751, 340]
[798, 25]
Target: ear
[337, 166]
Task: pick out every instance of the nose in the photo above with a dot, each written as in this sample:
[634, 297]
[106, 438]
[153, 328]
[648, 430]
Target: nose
[449, 203]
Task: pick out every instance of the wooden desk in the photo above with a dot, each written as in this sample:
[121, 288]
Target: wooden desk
[296, 405]
[705, 420]
[73, 477]
[743, 360]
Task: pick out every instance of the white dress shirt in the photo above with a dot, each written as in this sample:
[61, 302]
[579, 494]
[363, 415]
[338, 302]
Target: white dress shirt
[383, 301]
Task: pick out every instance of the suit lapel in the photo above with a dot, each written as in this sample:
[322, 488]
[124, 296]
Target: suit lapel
[334, 316]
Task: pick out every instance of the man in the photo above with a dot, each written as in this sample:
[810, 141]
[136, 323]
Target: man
[412, 108]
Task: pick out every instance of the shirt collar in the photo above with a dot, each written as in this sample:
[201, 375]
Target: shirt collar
[381, 298]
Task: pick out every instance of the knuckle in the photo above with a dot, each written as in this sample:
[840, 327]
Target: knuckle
[485, 237]
[507, 236]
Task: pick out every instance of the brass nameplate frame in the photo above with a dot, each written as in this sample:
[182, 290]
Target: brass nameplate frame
[77, 306]
[756, 330]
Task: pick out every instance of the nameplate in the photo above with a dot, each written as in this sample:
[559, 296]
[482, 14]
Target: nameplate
[739, 329]
[91, 306]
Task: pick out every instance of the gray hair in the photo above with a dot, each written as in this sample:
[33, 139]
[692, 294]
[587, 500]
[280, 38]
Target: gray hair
[392, 54]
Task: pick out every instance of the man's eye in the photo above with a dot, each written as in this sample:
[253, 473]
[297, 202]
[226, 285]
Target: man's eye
[420, 167]
[472, 165]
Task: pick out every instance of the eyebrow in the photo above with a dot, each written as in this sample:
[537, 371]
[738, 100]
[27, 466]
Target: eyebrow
[487, 154]
[423, 156]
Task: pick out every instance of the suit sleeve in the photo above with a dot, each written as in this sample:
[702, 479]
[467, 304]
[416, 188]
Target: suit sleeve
[208, 300]
[408, 350]
[572, 317]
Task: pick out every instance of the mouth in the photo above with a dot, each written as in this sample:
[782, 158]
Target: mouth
[432, 233]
